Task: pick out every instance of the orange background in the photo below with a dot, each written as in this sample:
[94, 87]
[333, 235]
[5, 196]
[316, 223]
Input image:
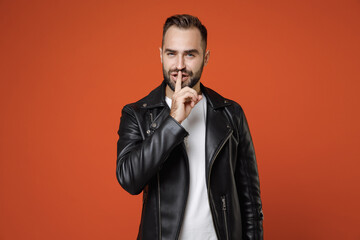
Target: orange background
[68, 67]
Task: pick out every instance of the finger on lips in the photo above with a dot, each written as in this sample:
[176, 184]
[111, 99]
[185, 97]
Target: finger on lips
[178, 82]
[188, 94]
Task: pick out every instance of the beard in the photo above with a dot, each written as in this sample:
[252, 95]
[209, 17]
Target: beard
[194, 78]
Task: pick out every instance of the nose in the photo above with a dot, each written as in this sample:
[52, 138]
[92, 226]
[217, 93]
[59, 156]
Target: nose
[180, 65]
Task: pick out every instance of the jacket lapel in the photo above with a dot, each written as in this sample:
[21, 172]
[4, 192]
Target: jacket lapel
[217, 125]
[217, 129]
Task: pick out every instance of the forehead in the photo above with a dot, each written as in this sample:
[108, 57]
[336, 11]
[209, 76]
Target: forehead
[182, 39]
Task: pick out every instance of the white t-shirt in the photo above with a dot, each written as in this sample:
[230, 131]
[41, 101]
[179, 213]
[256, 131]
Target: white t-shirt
[198, 222]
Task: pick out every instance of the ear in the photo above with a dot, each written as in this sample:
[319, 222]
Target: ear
[207, 56]
[161, 54]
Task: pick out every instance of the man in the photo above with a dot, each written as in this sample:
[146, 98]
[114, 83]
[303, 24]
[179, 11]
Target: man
[189, 150]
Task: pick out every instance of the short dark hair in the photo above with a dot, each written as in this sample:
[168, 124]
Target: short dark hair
[185, 21]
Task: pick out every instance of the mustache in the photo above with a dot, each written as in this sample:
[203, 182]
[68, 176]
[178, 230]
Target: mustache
[187, 72]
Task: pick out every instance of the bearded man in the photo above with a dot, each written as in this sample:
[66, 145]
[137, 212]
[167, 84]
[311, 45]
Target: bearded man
[189, 150]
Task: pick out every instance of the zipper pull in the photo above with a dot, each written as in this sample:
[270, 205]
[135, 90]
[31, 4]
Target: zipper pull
[223, 203]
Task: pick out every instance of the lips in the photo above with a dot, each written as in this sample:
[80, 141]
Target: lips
[174, 75]
[184, 77]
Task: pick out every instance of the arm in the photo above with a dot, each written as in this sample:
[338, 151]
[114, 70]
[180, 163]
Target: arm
[248, 185]
[138, 160]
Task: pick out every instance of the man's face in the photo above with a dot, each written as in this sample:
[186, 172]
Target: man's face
[183, 51]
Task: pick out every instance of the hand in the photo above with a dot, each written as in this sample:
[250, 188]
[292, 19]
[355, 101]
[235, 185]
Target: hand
[183, 100]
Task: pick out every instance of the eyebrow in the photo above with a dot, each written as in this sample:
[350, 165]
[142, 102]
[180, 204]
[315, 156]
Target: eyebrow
[186, 51]
[169, 50]
[192, 51]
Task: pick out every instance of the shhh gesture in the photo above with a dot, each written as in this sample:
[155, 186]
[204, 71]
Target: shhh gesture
[183, 100]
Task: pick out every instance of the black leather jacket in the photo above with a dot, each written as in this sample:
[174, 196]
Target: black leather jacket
[151, 157]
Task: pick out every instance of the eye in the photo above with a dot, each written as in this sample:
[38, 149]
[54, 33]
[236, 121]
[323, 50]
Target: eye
[170, 54]
[190, 55]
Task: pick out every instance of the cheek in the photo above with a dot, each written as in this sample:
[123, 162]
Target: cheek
[168, 63]
[165, 65]
[195, 65]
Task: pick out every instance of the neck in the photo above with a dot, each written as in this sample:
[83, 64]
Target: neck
[169, 93]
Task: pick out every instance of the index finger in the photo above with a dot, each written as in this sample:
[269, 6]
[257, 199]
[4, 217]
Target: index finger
[178, 82]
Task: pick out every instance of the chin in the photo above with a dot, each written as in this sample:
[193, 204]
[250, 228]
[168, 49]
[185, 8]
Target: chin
[169, 83]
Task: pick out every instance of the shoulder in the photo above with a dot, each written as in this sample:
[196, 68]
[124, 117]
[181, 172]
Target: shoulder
[219, 101]
[232, 109]
[154, 99]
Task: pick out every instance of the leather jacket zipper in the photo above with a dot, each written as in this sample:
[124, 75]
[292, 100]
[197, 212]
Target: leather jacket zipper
[158, 180]
[208, 180]
[224, 208]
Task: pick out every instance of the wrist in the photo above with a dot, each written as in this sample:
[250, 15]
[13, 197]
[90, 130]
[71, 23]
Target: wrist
[175, 118]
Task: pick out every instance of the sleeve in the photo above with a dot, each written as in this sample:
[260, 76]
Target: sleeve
[138, 160]
[248, 185]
